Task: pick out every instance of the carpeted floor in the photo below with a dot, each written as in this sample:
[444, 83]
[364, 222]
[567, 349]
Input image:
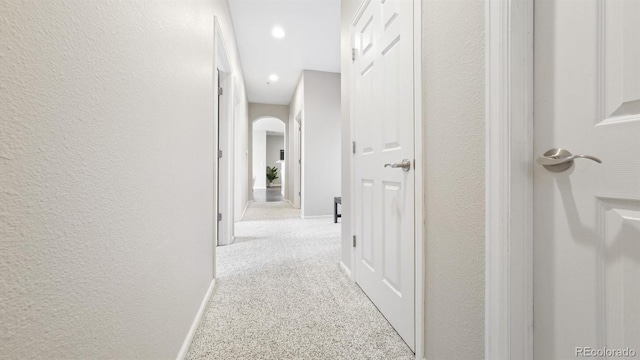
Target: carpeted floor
[271, 194]
[281, 294]
[266, 211]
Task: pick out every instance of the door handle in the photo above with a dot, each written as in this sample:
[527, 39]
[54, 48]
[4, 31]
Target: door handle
[558, 160]
[405, 165]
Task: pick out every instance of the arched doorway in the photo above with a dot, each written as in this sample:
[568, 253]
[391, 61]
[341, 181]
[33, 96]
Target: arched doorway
[268, 139]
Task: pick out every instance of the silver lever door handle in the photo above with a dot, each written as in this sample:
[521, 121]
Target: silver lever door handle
[405, 165]
[558, 160]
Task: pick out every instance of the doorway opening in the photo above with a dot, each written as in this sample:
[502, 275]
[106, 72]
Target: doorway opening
[268, 159]
[297, 195]
[225, 93]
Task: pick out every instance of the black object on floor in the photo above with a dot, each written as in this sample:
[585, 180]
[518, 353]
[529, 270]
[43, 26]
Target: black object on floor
[336, 201]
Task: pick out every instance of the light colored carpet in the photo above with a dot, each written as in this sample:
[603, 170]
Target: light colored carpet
[281, 294]
[268, 211]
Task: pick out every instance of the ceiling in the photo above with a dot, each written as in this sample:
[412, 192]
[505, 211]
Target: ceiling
[311, 42]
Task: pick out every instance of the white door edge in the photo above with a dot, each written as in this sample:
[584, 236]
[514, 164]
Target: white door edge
[221, 62]
[419, 241]
[509, 185]
[419, 183]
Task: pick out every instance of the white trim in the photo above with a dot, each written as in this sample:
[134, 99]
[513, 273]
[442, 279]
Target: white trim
[346, 270]
[260, 188]
[360, 11]
[509, 180]
[290, 203]
[246, 206]
[221, 62]
[196, 322]
[419, 241]
[317, 217]
[352, 124]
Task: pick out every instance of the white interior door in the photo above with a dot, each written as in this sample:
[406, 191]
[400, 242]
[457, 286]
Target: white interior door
[225, 137]
[587, 218]
[384, 122]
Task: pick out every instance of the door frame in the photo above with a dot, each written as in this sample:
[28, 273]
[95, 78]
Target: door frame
[509, 179]
[418, 167]
[298, 170]
[222, 69]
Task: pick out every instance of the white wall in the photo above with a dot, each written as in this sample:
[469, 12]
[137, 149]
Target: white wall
[321, 125]
[453, 103]
[259, 159]
[107, 178]
[453, 121]
[241, 161]
[294, 153]
[275, 143]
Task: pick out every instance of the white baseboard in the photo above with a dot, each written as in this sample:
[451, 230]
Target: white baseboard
[345, 269]
[290, 203]
[246, 206]
[318, 217]
[196, 322]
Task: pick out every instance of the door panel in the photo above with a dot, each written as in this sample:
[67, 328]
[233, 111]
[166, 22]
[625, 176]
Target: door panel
[620, 233]
[392, 232]
[621, 58]
[367, 223]
[587, 218]
[383, 131]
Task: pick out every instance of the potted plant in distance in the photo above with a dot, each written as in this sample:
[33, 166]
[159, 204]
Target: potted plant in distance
[272, 174]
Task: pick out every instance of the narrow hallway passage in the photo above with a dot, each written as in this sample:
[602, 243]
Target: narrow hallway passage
[281, 294]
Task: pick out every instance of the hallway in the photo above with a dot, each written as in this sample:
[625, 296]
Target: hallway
[271, 194]
[280, 294]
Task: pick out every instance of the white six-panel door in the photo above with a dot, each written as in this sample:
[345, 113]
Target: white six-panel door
[587, 218]
[383, 105]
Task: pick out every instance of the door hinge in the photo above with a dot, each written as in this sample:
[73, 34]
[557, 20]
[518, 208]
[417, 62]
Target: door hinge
[299, 193]
[219, 154]
[219, 217]
[353, 54]
[354, 241]
[354, 147]
[220, 91]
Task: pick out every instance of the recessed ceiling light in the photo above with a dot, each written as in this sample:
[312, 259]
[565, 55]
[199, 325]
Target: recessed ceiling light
[273, 77]
[277, 32]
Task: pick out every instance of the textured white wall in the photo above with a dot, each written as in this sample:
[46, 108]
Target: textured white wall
[453, 103]
[296, 107]
[317, 98]
[275, 143]
[259, 159]
[106, 175]
[241, 179]
[321, 142]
